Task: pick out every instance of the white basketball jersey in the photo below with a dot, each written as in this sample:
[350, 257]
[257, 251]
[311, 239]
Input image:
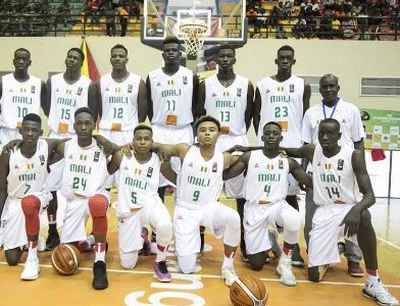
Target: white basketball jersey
[27, 175]
[227, 104]
[19, 99]
[282, 102]
[66, 98]
[334, 181]
[199, 182]
[119, 103]
[266, 179]
[137, 183]
[85, 169]
[172, 97]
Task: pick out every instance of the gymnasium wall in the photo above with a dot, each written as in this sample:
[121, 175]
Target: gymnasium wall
[350, 60]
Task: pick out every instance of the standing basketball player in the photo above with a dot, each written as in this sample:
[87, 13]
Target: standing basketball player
[229, 97]
[266, 187]
[283, 98]
[171, 108]
[139, 204]
[23, 174]
[20, 94]
[119, 99]
[199, 184]
[83, 185]
[353, 134]
[339, 175]
[66, 92]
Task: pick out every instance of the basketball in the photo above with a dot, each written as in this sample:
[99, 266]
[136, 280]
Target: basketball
[65, 259]
[248, 291]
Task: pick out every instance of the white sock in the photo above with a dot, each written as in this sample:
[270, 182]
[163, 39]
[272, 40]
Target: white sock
[373, 278]
[32, 253]
[100, 252]
[228, 262]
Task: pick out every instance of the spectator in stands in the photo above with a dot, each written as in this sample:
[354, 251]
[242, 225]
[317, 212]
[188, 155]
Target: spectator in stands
[349, 27]
[123, 13]
[110, 14]
[336, 27]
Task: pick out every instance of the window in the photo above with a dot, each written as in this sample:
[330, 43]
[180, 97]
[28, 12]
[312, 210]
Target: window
[380, 86]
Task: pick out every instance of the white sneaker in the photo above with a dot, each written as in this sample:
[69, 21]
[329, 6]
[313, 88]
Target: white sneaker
[229, 276]
[284, 269]
[375, 291]
[31, 270]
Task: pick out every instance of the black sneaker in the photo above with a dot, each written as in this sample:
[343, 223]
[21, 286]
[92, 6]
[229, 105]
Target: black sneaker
[53, 240]
[100, 281]
[297, 260]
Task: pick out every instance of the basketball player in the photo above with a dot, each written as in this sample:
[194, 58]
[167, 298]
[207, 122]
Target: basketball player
[83, 186]
[23, 175]
[119, 99]
[20, 94]
[284, 98]
[139, 203]
[66, 92]
[353, 134]
[339, 175]
[199, 184]
[171, 94]
[266, 187]
[229, 97]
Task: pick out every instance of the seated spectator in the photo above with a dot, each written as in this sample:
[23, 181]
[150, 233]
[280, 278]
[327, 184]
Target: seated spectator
[336, 27]
[349, 27]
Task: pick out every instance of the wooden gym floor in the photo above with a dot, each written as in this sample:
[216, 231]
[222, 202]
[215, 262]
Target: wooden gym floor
[138, 287]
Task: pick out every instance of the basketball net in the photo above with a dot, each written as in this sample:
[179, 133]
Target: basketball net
[193, 35]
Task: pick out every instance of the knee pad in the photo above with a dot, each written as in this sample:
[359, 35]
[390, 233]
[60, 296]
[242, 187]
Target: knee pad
[128, 260]
[98, 206]
[187, 263]
[30, 205]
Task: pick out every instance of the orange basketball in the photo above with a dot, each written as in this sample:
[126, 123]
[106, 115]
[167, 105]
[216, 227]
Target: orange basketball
[248, 291]
[65, 259]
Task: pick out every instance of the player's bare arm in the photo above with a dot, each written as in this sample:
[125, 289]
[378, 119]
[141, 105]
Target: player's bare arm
[43, 99]
[142, 102]
[239, 164]
[249, 107]
[4, 170]
[256, 110]
[196, 84]
[299, 174]
[306, 97]
[94, 99]
[46, 103]
[115, 162]
[166, 151]
[109, 148]
[201, 99]
[305, 151]
[168, 172]
[352, 220]
[149, 99]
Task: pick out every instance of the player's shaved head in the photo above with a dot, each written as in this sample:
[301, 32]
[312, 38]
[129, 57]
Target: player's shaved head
[119, 46]
[84, 110]
[272, 123]
[226, 47]
[32, 117]
[22, 50]
[285, 48]
[171, 40]
[331, 121]
[327, 77]
[207, 119]
[79, 51]
[142, 127]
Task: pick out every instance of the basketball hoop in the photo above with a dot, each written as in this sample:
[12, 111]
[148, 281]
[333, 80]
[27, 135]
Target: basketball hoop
[193, 35]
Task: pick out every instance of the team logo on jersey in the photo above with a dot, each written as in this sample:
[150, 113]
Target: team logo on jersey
[328, 166]
[22, 89]
[117, 89]
[83, 157]
[270, 167]
[68, 91]
[79, 92]
[130, 88]
[42, 159]
[138, 171]
[190, 165]
[96, 156]
[29, 166]
[280, 164]
[226, 94]
[340, 164]
[70, 157]
[256, 165]
[238, 92]
[149, 172]
[171, 82]
[158, 84]
[280, 89]
[185, 80]
[267, 91]
[291, 88]
[203, 169]
[214, 167]
[213, 95]
[33, 89]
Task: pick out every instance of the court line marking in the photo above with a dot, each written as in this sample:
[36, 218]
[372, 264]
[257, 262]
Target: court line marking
[212, 276]
[393, 245]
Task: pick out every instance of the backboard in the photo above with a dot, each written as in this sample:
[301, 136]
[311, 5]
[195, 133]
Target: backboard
[225, 20]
